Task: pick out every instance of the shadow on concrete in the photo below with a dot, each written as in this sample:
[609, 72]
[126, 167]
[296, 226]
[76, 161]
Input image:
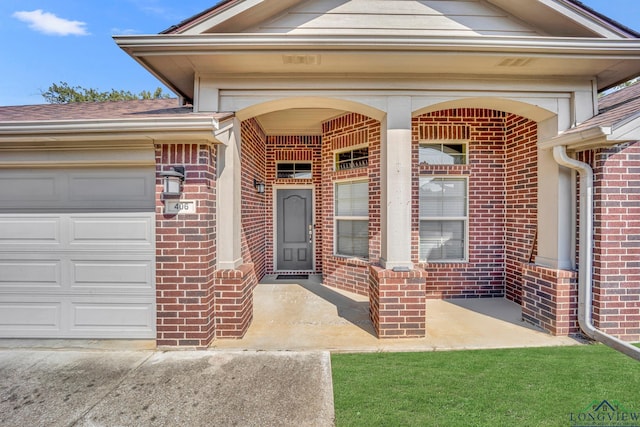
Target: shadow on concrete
[353, 311]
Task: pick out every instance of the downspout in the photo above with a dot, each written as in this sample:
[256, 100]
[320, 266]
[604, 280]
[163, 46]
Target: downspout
[585, 257]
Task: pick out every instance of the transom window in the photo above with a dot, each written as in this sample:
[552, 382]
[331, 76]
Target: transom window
[443, 153]
[352, 159]
[294, 170]
[352, 219]
[443, 219]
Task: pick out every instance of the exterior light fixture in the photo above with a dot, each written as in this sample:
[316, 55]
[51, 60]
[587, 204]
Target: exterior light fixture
[172, 180]
[259, 186]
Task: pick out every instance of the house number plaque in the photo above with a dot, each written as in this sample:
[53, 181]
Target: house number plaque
[174, 207]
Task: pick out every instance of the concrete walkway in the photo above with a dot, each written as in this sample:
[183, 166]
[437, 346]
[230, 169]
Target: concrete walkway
[305, 315]
[179, 388]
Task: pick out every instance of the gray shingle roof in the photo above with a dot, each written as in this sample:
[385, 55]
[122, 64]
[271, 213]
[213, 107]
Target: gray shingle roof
[147, 108]
[614, 108]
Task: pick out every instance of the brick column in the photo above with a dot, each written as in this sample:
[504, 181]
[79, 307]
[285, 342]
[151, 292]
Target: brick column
[185, 250]
[234, 300]
[397, 302]
[550, 299]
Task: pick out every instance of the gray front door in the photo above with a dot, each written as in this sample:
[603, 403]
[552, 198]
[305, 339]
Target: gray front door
[295, 229]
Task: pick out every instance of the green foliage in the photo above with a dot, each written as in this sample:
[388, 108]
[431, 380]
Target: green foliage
[516, 387]
[62, 93]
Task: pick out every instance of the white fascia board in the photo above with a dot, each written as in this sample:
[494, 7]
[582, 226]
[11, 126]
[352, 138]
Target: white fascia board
[597, 136]
[203, 44]
[626, 130]
[592, 137]
[200, 128]
[223, 15]
[584, 18]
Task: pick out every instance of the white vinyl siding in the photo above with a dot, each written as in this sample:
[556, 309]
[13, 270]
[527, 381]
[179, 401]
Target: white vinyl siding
[352, 219]
[443, 219]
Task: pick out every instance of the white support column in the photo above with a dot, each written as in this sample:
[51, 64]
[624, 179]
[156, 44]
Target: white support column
[556, 207]
[395, 177]
[228, 197]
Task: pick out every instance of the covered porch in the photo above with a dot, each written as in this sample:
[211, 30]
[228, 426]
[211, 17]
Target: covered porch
[303, 315]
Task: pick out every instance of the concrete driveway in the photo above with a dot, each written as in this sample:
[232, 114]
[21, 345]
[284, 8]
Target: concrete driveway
[178, 388]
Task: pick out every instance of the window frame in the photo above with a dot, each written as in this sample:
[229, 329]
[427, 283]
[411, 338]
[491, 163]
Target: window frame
[337, 217]
[294, 163]
[464, 220]
[350, 149]
[442, 142]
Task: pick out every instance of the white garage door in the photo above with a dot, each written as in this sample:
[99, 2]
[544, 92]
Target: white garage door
[77, 253]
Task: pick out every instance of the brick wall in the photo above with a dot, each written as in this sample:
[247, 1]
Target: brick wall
[185, 250]
[397, 303]
[483, 275]
[617, 241]
[254, 205]
[550, 299]
[502, 185]
[346, 131]
[292, 149]
[521, 204]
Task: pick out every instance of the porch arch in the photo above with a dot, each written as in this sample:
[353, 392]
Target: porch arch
[309, 102]
[528, 110]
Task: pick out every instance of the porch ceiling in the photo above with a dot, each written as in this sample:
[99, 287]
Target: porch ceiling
[297, 121]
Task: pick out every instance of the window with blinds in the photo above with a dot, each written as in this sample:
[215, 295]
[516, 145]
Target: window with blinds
[443, 219]
[352, 219]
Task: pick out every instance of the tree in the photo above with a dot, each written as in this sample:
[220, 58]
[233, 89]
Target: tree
[62, 93]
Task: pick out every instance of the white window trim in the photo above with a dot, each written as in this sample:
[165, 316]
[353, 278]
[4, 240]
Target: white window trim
[343, 218]
[465, 219]
[464, 142]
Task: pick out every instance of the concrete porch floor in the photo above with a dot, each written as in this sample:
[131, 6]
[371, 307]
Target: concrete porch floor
[301, 315]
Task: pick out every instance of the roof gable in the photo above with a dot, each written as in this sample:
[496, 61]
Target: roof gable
[555, 18]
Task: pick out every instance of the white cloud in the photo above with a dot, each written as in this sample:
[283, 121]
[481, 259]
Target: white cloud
[124, 32]
[48, 23]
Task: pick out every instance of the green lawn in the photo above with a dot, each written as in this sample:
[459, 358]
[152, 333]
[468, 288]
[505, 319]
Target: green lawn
[515, 387]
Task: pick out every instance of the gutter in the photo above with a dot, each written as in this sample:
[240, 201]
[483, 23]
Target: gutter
[585, 259]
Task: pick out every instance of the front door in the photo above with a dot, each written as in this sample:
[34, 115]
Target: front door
[294, 229]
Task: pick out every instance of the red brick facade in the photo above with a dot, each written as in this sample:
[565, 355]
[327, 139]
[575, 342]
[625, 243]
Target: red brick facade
[550, 299]
[502, 187]
[186, 251]
[617, 241]
[344, 132]
[397, 303]
[195, 303]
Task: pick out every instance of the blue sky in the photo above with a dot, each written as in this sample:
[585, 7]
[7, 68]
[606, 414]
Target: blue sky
[48, 41]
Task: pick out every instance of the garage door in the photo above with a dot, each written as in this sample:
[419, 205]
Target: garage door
[77, 253]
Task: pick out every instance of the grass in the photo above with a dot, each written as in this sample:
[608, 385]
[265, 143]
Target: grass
[514, 387]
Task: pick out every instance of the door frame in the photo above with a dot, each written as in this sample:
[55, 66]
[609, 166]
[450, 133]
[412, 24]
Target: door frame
[274, 218]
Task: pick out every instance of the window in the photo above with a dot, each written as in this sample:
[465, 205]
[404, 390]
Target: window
[352, 219]
[352, 159]
[443, 219]
[443, 153]
[294, 170]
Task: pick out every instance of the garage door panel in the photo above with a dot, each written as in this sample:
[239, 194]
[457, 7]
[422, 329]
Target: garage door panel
[100, 275]
[29, 319]
[29, 230]
[30, 275]
[115, 318]
[28, 188]
[124, 189]
[121, 230]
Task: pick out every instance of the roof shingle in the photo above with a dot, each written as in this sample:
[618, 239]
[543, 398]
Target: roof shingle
[147, 108]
